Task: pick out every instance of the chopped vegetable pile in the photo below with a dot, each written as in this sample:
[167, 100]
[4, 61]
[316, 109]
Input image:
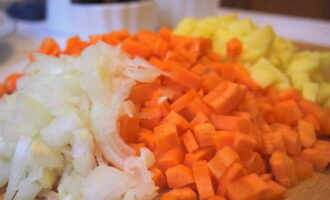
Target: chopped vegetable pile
[271, 59]
[92, 122]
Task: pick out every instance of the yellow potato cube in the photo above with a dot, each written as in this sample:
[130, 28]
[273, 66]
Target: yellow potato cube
[186, 26]
[310, 91]
[257, 43]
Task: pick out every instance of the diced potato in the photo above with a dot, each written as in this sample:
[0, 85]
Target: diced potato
[304, 62]
[186, 26]
[324, 93]
[264, 73]
[310, 91]
[298, 79]
[224, 21]
[327, 103]
[283, 85]
[205, 28]
[220, 39]
[281, 52]
[325, 65]
[257, 43]
[241, 28]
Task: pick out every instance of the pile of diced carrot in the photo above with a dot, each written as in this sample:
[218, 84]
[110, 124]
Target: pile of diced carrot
[215, 134]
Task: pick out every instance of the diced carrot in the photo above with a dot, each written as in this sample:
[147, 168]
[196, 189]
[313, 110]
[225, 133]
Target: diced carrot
[129, 128]
[277, 191]
[135, 48]
[189, 141]
[150, 117]
[268, 146]
[242, 76]
[225, 97]
[221, 161]
[212, 56]
[137, 147]
[3, 89]
[184, 100]
[116, 37]
[322, 145]
[171, 158]
[306, 133]
[199, 119]
[200, 69]
[143, 91]
[234, 48]
[203, 180]
[74, 46]
[266, 177]
[184, 77]
[278, 141]
[303, 168]
[320, 159]
[173, 117]
[195, 106]
[217, 198]
[11, 81]
[185, 193]
[49, 47]
[250, 187]
[235, 171]
[310, 108]
[255, 164]
[166, 137]
[165, 32]
[200, 154]
[160, 48]
[230, 123]
[189, 56]
[283, 169]
[313, 120]
[93, 39]
[147, 137]
[223, 138]
[287, 112]
[158, 178]
[243, 143]
[210, 80]
[179, 176]
[203, 134]
[288, 94]
[319, 114]
[291, 141]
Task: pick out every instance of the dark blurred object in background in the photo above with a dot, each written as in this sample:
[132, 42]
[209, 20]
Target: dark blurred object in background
[27, 9]
[304, 8]
[101, 1]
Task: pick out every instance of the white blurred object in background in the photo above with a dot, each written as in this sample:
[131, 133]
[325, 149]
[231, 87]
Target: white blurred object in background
[7, 26]
[172, 11]
[89, 19]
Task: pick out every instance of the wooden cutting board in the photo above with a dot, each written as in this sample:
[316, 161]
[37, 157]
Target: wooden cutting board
[315, 188]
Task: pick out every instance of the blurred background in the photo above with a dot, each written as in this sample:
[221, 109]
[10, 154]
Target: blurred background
[305, 8]
[24, 23]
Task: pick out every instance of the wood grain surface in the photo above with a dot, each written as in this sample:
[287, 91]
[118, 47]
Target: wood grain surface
[315, 188]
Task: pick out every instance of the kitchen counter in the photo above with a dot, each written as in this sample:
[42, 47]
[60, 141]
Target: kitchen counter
[28, 35]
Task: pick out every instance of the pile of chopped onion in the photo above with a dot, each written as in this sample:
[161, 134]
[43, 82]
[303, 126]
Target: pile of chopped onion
[59, 130]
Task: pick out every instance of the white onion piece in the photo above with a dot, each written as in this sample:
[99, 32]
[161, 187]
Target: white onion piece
[18, 166]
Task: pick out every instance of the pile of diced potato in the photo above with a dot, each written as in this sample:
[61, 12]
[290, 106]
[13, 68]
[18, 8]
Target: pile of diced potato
[271, 59]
